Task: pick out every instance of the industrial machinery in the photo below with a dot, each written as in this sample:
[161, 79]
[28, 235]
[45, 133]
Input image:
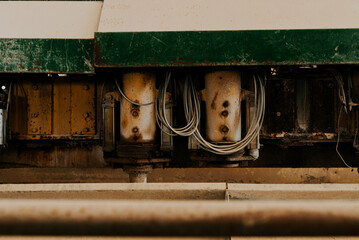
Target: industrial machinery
[181, 83]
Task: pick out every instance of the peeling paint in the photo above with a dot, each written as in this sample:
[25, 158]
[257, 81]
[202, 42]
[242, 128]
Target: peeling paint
[227, 48]
[46, 55]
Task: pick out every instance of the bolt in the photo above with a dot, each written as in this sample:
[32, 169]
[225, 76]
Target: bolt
[34, 130]
[85, 130]
[134, 113]
[86, 115]
[135, 129]
[224, 129]
[35, 87]
[34, 115]
[224, 113]
[279, 114]
[86, 87]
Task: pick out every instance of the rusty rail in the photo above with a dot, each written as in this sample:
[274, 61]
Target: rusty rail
[179, 218]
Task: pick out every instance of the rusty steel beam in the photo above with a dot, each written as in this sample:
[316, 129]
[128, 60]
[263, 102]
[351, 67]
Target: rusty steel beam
[179, 218]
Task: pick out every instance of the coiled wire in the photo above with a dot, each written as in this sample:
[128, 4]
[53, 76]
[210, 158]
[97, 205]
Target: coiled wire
[129, 100]
[191, 108]
[193, 112]
[253, 131]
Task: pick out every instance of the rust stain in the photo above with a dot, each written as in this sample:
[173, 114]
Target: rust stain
[213, 104]
[97, 55]
[124, 122]
[137, 137]
[135, 110]
[224, 114]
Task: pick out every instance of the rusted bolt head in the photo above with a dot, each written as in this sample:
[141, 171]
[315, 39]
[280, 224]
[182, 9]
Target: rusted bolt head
[278, 114]
[224, 129]
[224, 113]
[134, 113]
[35, 87]
[34, 115]
[85, 130]
[135, 129]
[86, 115]
[86, 87]
[34, 130]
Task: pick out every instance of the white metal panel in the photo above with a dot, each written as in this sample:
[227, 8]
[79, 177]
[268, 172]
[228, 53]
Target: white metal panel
[195, 15]
[49, 19]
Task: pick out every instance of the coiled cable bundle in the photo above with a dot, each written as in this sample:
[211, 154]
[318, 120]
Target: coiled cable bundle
[192, 112]
[191, 108]
[253, 131]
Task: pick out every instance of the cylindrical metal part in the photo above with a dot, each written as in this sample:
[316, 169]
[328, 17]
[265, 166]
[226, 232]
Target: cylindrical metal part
[108, 121]
[138, 177]
[223, 106]
[2, 126]
[250, 112]
[137, 173]
[138, 123]
[179, 218]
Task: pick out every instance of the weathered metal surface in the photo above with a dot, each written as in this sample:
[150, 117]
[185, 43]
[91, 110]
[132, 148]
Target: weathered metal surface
[115, 191]
[61, 107]
[181, 191]
[231, 175]
[195, 48]
[83, 108]
[223, 108]
[138, 123]
[67, 155]
[179, 218]
[145, 238]
[293, 191]
[250, 112]
[109, 120]
[39, 114]
[303, 96]
[46, 55]
[51, 109]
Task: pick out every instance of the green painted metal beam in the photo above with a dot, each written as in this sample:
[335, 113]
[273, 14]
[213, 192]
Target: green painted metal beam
[46, 55]
[224, 48]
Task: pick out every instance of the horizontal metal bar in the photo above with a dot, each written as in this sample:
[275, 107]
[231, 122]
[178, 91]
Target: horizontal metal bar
[293, 191]
[180, 191]
[231, 175]
[179, 218]
[115, 191]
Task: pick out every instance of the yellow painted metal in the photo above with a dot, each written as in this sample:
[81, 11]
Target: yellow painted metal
[83, 108]
[39, 107]
[60, 109]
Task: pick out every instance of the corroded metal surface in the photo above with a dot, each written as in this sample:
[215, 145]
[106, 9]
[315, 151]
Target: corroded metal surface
[138, 123]
[223, 108]
[56, 109]
[178, 218]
